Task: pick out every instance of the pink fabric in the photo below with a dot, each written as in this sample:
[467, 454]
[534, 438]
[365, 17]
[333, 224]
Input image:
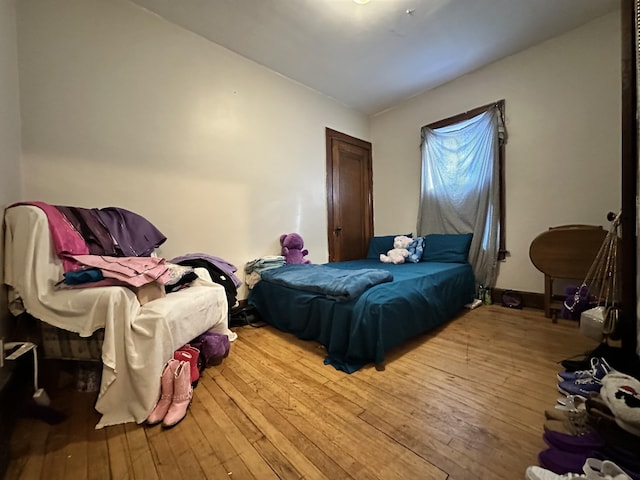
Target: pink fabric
[66, 239]
[135, 271]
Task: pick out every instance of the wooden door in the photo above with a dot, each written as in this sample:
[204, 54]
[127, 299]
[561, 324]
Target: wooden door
[349, 196]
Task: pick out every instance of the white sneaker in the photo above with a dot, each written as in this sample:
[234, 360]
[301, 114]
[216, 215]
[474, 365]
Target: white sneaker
[603, 470]
[539, 473]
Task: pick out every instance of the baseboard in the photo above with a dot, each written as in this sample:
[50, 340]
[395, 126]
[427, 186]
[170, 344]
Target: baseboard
[529, 299]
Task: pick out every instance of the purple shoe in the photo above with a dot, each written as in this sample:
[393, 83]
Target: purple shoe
[580, 386]
[587, 442]
[563, 462]
[599, 368]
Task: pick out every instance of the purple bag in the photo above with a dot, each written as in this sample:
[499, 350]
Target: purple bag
[214, 347]
[577, 301]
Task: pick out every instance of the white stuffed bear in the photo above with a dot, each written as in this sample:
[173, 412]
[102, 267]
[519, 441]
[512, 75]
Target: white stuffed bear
[399, 251]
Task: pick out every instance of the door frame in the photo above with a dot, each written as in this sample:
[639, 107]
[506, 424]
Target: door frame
[629, 217]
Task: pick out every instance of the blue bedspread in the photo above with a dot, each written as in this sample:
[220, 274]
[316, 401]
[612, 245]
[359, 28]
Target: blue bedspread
[339, 284]
[359, 331]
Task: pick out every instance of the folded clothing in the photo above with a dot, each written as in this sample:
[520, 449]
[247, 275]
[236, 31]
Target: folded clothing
[605, 424]
[621, 393]
[79, 277]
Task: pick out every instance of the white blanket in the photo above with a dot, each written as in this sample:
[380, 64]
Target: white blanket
[138, 339]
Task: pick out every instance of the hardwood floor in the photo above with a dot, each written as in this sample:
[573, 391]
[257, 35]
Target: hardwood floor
[464, 402]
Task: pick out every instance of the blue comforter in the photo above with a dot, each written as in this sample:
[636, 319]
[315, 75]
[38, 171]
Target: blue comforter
[359, 331]
[338, 284]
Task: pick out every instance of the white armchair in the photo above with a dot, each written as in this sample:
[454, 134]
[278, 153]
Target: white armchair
[138, 339]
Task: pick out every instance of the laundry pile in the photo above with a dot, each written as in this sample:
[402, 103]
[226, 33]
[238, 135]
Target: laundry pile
[255, 267]
[593, 432]
[181, 374]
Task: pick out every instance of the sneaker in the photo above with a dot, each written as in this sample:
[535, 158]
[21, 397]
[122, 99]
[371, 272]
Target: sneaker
[599, 368]
[539, 473]
[580, 386]
[569, 426]
[573, 365]
[570, 402]
[606, 470]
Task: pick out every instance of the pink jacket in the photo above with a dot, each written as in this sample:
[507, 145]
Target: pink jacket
[134, 271]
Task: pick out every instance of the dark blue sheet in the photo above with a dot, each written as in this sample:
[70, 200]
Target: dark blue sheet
[337, 283]
[357, 332]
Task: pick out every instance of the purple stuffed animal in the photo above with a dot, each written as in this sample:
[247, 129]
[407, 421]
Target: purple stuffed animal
[292, 251]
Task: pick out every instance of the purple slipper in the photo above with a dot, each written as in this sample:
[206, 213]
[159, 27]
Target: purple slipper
[587, 442]
[563, 462]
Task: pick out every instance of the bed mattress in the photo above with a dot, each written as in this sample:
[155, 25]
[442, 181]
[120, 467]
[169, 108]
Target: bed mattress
[357, 332]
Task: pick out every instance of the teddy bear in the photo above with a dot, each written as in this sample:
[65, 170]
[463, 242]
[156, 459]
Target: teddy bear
[292, 251]
[399, 251]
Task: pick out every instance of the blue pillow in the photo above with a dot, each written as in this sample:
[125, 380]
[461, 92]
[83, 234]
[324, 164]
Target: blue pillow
[415, 250]
[447, 248]
[383, 244]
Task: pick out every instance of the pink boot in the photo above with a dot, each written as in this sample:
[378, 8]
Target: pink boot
[191, 358]
[182, 393]
[166, 393]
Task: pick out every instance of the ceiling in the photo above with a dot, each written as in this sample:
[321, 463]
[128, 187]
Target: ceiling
[374, 56]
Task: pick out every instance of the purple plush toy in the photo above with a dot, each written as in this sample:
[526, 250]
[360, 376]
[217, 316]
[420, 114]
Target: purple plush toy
[292, 251]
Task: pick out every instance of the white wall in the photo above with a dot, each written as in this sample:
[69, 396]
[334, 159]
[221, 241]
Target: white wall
[10, 177]
[563, 156]
[123, 108]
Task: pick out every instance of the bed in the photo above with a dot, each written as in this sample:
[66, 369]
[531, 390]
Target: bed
[358, 331]
[136, 339]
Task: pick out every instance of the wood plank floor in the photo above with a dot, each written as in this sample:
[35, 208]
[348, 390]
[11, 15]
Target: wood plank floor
[464, 402]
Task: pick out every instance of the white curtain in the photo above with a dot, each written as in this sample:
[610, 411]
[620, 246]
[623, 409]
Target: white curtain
[460, 190]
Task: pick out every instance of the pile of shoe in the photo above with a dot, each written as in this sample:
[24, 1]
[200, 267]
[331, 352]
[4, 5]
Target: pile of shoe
[583, 382]
[594, 428]
[593, 469]
[181, 374]
[175, 396]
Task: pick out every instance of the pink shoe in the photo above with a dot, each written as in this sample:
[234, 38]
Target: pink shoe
[166, 393]
[192, 360]
[182, 393]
